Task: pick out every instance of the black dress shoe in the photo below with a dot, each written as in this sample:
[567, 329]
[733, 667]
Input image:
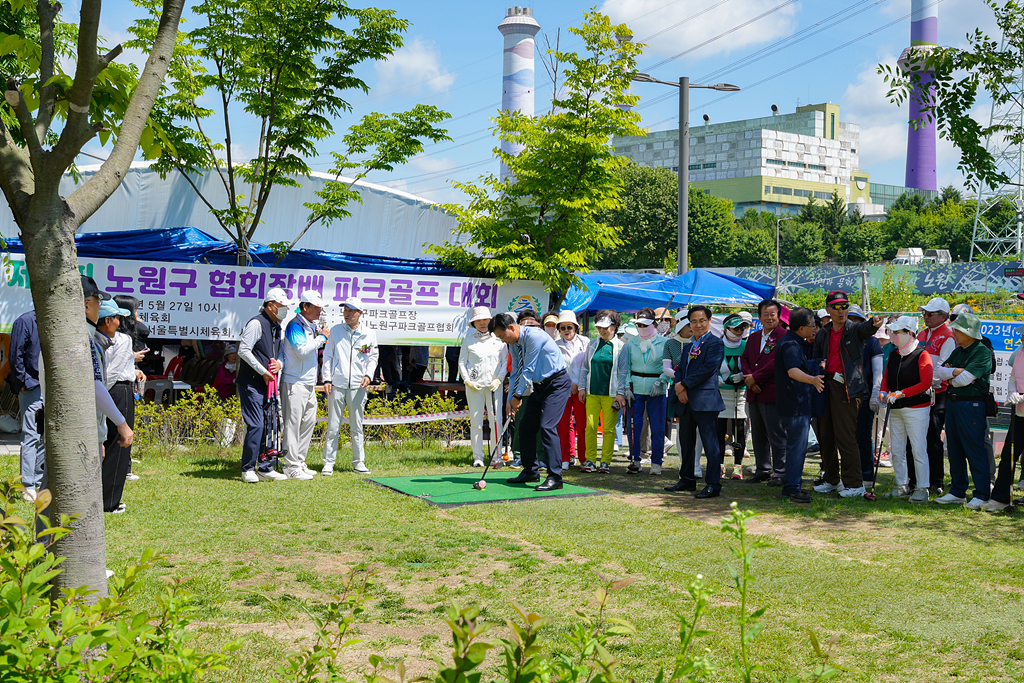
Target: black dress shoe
[524, 477]
[774, 481]
[708, 492]
[759, 477]
[797, 496]
[550, 484]
[680, 486]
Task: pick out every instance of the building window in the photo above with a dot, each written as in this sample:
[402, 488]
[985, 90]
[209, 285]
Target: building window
[833, 126]
[801, 193]
[776, 162]
[694, 167]
[797, 164]
[675, 169]
[861, 180]
[823, 195]
[782, 190]
[710, 165]
[815, 167]
[767, 189]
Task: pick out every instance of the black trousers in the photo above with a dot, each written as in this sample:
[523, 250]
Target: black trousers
[936, 450]
[541, 414]
[689, 423]
[1003, 489]
[738, 440]
[865, 441]
[117, 459]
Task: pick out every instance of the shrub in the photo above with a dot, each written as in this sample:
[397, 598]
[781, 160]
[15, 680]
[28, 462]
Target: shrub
[196, 417]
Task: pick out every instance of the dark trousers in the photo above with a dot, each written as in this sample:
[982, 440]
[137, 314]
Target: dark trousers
[865, 427]
[769, 437]
[542, 413]
[451, 356]
[797, 428]
[837, 436]
[117, 459]
[654, 407]
[965, 435]
[1003, 489]
[738, 434]
[252, 399]
[706, 421]
[390, 368]
[936, 449]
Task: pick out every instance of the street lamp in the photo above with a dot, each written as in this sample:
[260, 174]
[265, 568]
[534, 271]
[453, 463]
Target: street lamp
[684, 85]
[778, 269]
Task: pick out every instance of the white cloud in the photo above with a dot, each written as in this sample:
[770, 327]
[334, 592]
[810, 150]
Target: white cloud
[416, 67]
[648, 17]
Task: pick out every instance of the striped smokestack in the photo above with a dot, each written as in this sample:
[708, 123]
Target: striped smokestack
[517, 82]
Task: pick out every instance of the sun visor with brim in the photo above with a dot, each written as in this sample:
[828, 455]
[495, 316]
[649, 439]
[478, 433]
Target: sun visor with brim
[643, 321]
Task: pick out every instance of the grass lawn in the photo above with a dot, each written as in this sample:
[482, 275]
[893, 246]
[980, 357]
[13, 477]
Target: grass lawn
[921, 593]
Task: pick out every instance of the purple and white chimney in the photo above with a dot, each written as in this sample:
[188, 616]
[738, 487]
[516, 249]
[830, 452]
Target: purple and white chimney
[924, 37]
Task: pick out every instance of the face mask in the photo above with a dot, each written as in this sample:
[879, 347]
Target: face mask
[282, 313]
[902, 340]
[733, 335]
[552, 332]
[663, 327]
[646, 332]
[231, 366]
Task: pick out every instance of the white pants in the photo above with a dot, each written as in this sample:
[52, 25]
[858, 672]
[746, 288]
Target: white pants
[478, 399]
[909, 423]
[298, 403]
[355, 401]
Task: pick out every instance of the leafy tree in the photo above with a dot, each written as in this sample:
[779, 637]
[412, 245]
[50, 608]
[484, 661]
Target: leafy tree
[909, 201]
[855, 217]
[985, 64]
[98, 99]
[541, 221]
[863, 243]
[755, 239]
[711, 229]
[647, 218]
[809, 211]
[801, 244]
[948, 194]
[832, 217]
[291, 64]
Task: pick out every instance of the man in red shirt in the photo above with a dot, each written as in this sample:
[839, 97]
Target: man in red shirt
[839, 345]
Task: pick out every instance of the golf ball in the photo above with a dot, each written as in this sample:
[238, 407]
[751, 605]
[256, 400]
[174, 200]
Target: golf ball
[481, 485]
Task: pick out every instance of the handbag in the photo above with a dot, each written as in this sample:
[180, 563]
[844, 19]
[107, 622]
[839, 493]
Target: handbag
[991, 407]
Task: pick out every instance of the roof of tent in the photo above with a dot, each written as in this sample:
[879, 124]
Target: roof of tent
[628, 292]
[190, 245]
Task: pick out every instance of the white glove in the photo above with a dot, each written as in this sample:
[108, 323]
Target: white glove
[874, 401]
[666, 368]
[736, 378]
[1014, 398]
[628, 395]
[496, 385]
[721, 380]
[657, 389]
[894, 396]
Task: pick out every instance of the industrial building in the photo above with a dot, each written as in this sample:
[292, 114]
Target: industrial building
[774, 163]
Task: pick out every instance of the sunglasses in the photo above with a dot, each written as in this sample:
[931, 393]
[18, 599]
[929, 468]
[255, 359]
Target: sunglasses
[565, 328]
[839, 307]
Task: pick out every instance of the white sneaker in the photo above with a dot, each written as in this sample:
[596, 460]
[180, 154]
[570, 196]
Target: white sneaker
[110, 573]
[270, 475]
[669, 444]
[29, 494]
[250, 477]
[655, 469]
[995, 506]
[977, 504]
[308, 471]
[360, 469]
[825, 487]
[478, 462]
[853, 493]
[950, 499]
[300, 475]
[615, 449]
[131, 476]
[327, 471]
[119, 510]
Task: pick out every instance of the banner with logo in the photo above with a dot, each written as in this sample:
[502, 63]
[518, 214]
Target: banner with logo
[199, 301]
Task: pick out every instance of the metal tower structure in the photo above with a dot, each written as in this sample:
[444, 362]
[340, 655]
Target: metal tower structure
[994, 236]
[517, 82]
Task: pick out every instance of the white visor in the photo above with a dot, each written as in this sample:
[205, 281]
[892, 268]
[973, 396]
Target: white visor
[643, 321]
[603, 322]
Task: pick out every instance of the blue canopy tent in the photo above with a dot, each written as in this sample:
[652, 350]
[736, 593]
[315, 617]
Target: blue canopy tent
[190, 245]
[629, 292]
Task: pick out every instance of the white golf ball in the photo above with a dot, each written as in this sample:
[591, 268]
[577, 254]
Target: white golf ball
[481, 485]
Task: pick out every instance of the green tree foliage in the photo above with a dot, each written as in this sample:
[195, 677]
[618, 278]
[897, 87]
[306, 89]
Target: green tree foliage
[986, 66]
[949, 225]
[540, 223]
[832, 217]
[646, 218]
[861, 243]
[909, 201]
[801, 244]
[291, 64]
[755, 239]
[712, 239]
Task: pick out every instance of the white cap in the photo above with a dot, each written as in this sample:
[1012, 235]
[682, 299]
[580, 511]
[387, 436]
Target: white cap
[231, 348]
[568, 317]
[822, 313]
[311, 296]
[906, 323]
[479, 313]
[936, 304]
[353, 303]
[278, 296]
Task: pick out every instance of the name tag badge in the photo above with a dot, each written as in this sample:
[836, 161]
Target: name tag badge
[839, 378]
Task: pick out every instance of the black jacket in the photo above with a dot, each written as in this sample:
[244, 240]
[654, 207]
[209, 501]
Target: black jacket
[853, 338]
[25, 353]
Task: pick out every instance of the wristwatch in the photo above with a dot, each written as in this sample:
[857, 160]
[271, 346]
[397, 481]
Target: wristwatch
[518, 397]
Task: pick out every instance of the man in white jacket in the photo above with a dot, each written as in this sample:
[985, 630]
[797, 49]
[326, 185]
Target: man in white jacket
[350, 359]
[303, 337]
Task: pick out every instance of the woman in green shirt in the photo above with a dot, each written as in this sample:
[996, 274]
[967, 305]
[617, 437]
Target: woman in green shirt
[598, 385]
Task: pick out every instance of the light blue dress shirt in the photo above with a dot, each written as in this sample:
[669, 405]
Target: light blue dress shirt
[535, 357]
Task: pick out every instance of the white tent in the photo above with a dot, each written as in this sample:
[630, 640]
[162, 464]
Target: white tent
[388, 222]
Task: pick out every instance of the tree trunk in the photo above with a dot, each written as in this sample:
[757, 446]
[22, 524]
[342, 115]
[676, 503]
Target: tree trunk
[73, 460]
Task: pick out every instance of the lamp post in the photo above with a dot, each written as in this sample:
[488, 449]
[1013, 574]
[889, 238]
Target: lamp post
[684, 85]
[778, 269]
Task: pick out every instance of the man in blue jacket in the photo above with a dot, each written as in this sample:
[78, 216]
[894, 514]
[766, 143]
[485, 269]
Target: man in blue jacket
[24, 381]
[700, 402]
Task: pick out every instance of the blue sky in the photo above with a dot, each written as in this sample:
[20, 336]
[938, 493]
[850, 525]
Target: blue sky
[452, 58]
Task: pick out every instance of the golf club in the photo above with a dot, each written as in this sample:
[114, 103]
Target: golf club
[870, 495]
[481, 484]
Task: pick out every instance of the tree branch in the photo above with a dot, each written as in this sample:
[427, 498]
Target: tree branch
[73, 137]
[106, 59]
[17, 102]
[48, 93]
[89, 197]
[213, 211]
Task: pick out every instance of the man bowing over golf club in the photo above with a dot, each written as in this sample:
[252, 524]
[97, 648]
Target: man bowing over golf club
[536, 359]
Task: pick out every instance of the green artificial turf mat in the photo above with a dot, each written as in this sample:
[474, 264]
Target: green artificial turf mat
[453, 490]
